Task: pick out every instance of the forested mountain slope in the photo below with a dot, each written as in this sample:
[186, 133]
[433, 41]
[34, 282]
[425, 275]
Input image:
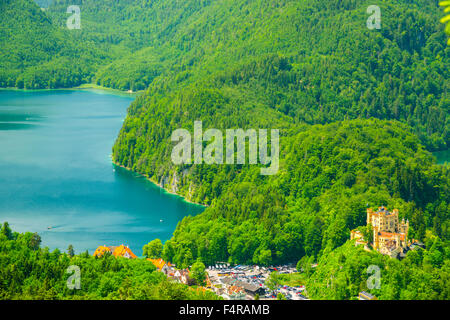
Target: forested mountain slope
[356, 109]
[333, 66]
[328, 175]
[262, 70]
[341, 274]
[37, 54]
[124, 28]
[314, 62]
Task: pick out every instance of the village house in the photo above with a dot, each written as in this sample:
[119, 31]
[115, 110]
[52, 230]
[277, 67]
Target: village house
[165, 267]
[248, 288]
[183, 276]
[116, 251]
[234, 293]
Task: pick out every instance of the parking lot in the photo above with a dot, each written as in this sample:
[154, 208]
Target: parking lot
[223, 276]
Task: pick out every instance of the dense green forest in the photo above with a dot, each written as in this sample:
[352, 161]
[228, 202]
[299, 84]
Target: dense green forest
[343, 273]
[312, 61]
[328, 176]
[358, 112]
[269, 74]
[30, 272]
[36, 54]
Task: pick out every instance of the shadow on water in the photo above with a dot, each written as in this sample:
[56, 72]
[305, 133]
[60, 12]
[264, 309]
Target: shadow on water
[13, 120]
[6, 126]
[18, 117]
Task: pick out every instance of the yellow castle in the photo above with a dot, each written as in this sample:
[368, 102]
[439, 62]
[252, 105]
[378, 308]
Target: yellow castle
[389, 235]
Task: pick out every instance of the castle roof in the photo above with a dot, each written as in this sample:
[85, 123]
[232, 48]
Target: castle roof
[383, 211]
[391, 235]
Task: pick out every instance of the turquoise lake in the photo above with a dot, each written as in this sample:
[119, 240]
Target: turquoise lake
[56, 171]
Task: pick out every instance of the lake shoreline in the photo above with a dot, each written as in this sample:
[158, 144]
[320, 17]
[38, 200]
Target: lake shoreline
[159, 186]
[59, 173]
[87, 86]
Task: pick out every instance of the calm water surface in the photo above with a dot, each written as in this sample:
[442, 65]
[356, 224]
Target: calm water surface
[56, 170]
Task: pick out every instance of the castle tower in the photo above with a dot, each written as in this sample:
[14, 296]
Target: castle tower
[376, 238]
[369, 216]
